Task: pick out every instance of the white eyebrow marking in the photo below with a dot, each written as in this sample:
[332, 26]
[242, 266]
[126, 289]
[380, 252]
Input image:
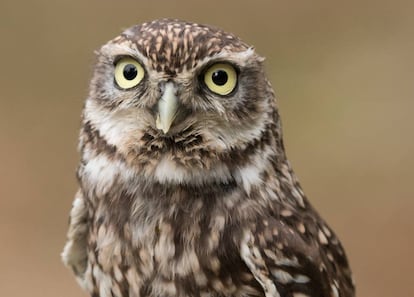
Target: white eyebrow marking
[112, 50]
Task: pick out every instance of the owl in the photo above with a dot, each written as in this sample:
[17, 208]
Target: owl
[185, 189]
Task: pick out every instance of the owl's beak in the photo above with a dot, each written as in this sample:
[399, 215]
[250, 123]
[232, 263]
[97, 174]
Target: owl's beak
[167, 108]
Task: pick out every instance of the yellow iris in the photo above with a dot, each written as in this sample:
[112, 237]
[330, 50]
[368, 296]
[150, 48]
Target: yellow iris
[221, 78]
[128, 73]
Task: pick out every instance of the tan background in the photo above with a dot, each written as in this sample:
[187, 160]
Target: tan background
[344, 77]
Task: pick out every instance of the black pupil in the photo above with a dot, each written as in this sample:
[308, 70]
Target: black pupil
[130, 72]
[219, 77]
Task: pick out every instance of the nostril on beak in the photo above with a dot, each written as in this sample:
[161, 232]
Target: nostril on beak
[161, 87]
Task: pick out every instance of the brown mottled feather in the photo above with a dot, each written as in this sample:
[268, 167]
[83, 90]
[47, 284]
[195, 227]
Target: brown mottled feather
[211, 208]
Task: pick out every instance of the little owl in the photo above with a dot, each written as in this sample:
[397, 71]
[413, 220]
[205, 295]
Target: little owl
[184, 185]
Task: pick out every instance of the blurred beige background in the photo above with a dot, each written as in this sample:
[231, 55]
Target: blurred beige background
[344, 75]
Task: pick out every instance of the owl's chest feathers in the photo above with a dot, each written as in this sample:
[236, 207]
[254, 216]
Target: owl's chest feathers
[169, 236]
[164, 237]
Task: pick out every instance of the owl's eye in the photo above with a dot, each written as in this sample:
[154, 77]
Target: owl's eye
[221, 78]
[128, 73]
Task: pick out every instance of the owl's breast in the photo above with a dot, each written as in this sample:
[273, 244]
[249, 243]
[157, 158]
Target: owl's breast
[134, 250]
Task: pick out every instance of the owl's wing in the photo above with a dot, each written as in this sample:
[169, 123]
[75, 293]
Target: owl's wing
[74, 254]
[287, 262]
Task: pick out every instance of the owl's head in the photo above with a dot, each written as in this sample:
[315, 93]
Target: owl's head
[178, 101]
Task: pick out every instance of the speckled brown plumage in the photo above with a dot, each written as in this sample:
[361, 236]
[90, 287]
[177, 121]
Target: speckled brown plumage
[208, 206]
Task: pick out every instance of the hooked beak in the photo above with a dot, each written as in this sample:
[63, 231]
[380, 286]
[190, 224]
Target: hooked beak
[167, 108]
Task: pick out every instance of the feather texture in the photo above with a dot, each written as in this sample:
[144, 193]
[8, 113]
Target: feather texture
[209, 206]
